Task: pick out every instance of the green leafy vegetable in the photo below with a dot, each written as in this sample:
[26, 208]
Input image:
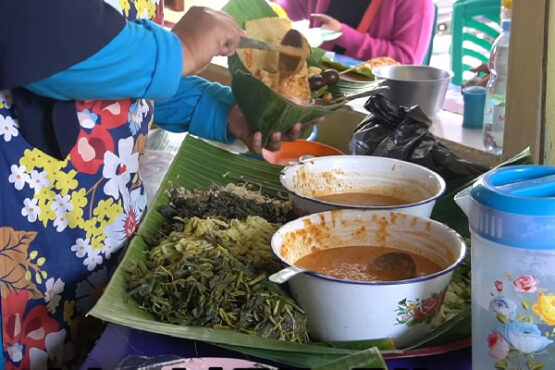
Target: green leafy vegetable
[230, 201]
[214, 273]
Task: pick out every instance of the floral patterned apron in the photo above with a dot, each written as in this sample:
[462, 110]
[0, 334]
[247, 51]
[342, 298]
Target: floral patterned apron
[63, 223]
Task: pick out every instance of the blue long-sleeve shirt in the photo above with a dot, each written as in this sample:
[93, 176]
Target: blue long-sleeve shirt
[145, 61]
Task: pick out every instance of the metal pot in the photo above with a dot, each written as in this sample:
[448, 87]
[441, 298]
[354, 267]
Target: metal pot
[415, 85]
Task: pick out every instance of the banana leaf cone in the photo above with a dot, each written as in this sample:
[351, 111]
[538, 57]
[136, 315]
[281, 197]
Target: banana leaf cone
[266, 110]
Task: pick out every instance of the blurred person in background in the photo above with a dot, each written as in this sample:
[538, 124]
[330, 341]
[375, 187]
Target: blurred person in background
[480, 78]
[400, 29]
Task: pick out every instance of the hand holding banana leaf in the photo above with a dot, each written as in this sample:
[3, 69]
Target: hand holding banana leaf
[238, 126]
[272, 101]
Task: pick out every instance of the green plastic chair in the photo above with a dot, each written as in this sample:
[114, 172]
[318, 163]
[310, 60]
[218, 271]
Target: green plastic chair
[469, 30]
[428, 55]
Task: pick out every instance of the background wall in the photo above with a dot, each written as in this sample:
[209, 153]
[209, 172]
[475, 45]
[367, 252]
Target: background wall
[550, 92]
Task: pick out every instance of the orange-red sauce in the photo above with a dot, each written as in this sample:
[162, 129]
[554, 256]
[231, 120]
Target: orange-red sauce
[352, 263]
[362, 199]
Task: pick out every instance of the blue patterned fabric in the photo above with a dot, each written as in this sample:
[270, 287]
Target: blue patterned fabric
[63, 223]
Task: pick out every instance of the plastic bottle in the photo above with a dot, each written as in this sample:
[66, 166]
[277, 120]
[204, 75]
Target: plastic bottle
[506, 10]
[496, 91]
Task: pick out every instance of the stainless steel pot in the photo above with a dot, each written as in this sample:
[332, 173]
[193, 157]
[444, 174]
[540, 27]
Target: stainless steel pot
[415, 85]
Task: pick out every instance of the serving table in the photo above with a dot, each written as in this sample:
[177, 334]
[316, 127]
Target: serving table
[119, 342]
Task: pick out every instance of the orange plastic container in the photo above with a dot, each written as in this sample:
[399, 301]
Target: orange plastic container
[292, 150]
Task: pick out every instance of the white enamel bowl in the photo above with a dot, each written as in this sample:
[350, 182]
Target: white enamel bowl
[361, 173]
[346, 310]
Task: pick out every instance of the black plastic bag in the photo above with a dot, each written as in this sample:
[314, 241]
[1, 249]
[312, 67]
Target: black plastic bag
[395, 131]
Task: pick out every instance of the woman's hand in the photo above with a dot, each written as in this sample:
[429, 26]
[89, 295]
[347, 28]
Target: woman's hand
[205, 33]
[238, 126]
[478, 80]
[328, 22]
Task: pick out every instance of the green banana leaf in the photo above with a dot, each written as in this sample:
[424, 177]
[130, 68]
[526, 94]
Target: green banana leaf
[341, 67]
[457, 328]
[246, 10]
[265, 110]
[315, 57]
[345, 85]
[369, 358]
[199, 164]
[357, 360]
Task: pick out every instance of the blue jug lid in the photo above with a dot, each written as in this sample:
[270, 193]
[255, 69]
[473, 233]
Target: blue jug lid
[525, 190]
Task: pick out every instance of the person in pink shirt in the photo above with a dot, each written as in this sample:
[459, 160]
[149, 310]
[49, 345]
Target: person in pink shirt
[400, 29]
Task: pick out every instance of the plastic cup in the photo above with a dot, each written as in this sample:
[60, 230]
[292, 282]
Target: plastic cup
[474, 98]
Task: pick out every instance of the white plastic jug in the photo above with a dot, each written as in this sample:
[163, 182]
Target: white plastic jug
[511, 213]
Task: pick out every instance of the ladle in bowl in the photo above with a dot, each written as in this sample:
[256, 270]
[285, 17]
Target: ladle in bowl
[399, 263]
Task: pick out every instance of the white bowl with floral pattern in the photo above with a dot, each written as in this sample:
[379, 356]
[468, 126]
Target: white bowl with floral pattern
[346, 310]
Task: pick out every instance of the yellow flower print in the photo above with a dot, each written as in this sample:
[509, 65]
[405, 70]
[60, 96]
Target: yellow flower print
[94, 232]
[45, 194]
[69, 313]
[65, 181]
[105, 208]
[75, 218]
[103, 223]
[145, 9]
[90, 227]
[78, 201]
[45, 198]
[108, 212]
[97, 242]
[69, 310]
[125, 7]
[46, 214]
[31, 159]
[52, 165]
[545, 307]
[104, 213]
[79, 198]
[52, 177]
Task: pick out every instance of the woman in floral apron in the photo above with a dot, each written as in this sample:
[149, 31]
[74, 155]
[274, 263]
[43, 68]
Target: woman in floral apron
[63, 222]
